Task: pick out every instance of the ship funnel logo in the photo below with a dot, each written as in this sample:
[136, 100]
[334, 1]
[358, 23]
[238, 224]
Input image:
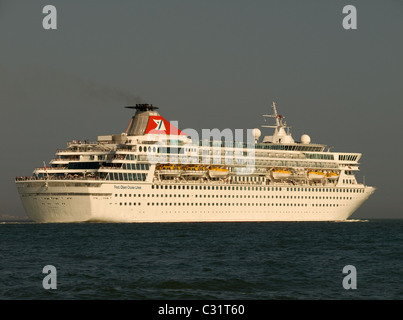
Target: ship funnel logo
[160, 125]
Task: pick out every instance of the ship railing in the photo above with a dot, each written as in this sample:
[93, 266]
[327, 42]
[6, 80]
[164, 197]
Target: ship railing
[69, 177]
[51, 168]
[63, 160]
[125, 148]
[82, 142]
[220, 182]
[110, 168]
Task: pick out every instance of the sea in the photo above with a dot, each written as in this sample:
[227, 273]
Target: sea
[351, 260]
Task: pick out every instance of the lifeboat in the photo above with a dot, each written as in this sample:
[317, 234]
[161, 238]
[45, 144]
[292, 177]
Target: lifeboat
[169, 170]
[216, 172]
[316, 175]
[280, 173]
[194, 171]
[332, 175]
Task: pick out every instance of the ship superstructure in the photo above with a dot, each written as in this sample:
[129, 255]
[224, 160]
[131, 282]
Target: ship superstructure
[154, 172]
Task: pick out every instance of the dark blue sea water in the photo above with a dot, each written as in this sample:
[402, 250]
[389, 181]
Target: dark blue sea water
[257, 261]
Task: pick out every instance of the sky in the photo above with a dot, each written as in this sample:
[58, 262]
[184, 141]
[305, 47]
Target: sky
[206, 64]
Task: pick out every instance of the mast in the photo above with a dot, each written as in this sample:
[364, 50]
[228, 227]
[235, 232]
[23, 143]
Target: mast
[279, 135]
[279, 118]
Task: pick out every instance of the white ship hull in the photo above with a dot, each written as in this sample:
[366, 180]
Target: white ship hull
[111, 202]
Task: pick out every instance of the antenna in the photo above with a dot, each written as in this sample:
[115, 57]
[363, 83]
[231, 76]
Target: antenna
[275, 113]
[282, 132]
[276, 116]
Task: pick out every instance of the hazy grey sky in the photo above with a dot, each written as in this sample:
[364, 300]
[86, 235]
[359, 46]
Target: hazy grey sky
[206, 64]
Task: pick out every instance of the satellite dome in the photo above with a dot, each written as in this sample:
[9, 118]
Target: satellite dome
[256, 134]
[305, 139]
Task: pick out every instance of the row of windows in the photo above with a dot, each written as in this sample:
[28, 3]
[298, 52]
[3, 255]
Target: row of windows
[127, 176]
[237, 144]
[248, 179]
[233, 196]
[130, 157]
[347, 157]
[149, 149]
[181, 150]
[290, 163]
[129, 203]
[180, 187]
[290, 148]
[152, 195]
[319, 156]
[229, 204]
[267, 146]
[83, 165]
[138, 166]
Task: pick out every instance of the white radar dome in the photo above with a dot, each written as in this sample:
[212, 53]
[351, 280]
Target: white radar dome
[305, 139]
[256, 134]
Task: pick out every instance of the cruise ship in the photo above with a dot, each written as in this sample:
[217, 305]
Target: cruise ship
[154, 172]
